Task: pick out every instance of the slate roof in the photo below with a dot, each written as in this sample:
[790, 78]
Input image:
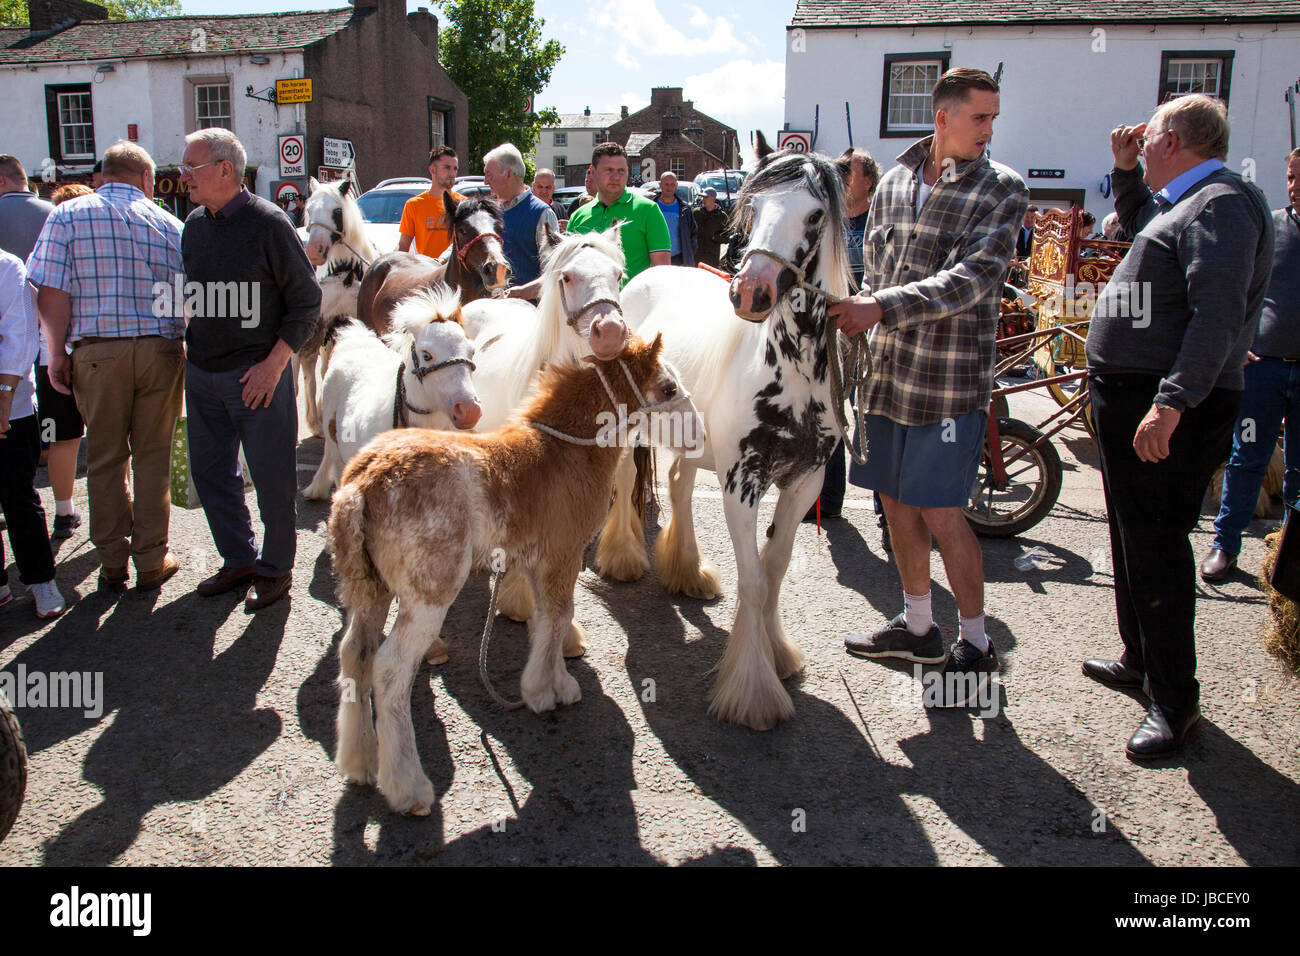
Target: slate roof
[172, 36]
[888, 13]
[583, 121]
[639, 141]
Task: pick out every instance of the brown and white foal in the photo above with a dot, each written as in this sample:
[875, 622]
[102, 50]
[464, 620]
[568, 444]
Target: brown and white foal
[418, 510]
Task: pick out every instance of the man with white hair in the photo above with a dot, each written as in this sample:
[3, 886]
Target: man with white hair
[1165, 349]
[526, 219]
[544, 189]
[97, 265]
[239, 382]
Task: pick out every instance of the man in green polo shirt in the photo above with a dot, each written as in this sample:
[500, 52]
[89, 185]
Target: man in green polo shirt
[643, 232]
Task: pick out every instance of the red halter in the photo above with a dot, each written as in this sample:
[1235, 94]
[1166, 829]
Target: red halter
[462, 253]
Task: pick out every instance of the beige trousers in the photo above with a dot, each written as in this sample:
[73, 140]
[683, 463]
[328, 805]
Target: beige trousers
[129, 393]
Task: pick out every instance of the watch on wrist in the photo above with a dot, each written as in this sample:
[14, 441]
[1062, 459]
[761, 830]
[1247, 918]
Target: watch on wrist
[6, 388]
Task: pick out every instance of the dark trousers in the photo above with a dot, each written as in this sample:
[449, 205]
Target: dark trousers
[1152, 508]
[833, 485]
[219, 422]
[20, 450]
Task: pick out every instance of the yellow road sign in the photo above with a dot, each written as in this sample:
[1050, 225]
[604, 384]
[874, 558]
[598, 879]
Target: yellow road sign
[293, 91]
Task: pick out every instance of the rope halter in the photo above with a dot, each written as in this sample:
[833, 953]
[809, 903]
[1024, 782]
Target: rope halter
[573, 317]
[462, 252]
[337, 237]
[603, 438]
[401, 404]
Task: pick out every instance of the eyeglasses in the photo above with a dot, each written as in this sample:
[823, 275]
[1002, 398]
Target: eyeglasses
[187, 168]
[1143, 140]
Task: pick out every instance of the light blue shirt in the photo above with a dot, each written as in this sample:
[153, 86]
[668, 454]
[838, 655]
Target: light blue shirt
[1175, 188]
[672, 212]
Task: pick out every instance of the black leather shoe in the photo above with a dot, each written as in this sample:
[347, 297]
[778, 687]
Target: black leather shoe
[1163, 733]
[1217, 566]
[1112, 673]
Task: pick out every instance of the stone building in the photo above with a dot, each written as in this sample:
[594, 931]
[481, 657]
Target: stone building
[674, 135]
[76, 82]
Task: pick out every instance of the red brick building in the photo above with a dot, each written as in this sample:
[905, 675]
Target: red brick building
[676, 136]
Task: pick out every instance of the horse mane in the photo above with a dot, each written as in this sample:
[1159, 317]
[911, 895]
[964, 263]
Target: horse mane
[551, 317]
[423, 307]
[569, 395]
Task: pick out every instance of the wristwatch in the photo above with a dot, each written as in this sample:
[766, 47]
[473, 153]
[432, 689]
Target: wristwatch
[6, 388]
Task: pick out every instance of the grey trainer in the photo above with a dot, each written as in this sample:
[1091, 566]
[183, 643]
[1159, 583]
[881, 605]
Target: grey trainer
[895, 640]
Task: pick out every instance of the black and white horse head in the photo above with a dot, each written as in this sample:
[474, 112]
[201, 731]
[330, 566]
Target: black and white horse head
[789, 209]
[335, 229]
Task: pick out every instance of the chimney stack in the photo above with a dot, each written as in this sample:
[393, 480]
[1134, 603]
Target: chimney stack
[623, 113]
[47, 14]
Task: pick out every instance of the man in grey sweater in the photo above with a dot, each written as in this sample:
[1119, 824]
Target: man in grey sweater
[1272, 393]
[253, 300]
[1165, 350]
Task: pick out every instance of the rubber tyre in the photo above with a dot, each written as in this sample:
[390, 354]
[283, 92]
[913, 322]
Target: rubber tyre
[1042, 466]
[13, 767]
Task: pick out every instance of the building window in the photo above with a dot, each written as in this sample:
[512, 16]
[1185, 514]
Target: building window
[905, 108]
[678, 166]
[70, 121]
[442, 123]
[1195, 71]
[212, 105]
[560, 162]
[561, 139]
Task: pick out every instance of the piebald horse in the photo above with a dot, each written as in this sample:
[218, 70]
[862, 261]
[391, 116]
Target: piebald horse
[763, 389]
[339, 249]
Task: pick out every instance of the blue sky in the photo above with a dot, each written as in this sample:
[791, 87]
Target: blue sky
[732, 66]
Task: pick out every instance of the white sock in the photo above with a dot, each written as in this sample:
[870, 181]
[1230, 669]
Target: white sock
[971, 630]
[916, 613]
[64, 507]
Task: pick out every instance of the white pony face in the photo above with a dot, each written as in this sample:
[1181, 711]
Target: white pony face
[447, 389]
[586, 276]
[786, 221]
[325, 217]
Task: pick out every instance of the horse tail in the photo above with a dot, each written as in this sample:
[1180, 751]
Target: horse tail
[359, 581]
[643, 490]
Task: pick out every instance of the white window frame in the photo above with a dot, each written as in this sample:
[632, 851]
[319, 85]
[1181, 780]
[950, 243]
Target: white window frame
[214, 119]
[559, 139]
[66, 127]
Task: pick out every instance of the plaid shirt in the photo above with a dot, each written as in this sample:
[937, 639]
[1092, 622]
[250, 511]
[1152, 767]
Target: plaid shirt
[107, 251]
[938, 279]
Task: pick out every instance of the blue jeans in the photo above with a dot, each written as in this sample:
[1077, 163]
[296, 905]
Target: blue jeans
[219, 422]
[1272, 395]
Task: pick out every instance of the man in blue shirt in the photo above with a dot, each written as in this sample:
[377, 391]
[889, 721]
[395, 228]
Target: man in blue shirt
[526, 219]
[681, 225]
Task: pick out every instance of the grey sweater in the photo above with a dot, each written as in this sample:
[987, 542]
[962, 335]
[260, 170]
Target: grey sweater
[1185, 301]
[277, 293]
[1279, 323]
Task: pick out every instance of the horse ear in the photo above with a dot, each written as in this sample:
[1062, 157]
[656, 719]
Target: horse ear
[312, 184]
[553, 238]
[762, 149]
[343, 187]
[449, 205]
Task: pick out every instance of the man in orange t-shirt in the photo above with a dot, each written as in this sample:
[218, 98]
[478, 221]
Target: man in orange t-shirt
[424, 221]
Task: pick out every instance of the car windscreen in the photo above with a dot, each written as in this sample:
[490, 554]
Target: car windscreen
[720, 183]
[385, 205]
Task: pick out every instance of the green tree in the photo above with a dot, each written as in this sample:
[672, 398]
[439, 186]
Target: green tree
[493, 50]
[13, 13]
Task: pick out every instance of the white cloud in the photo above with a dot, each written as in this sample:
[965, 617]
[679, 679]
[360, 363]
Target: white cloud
[744, 94]
[639, 28]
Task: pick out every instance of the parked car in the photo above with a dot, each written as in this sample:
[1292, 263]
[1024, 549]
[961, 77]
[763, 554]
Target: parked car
[381, 208]
[726, 181]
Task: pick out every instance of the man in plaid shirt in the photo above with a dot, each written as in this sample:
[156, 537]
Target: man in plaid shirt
[96, 265]
[940, 233]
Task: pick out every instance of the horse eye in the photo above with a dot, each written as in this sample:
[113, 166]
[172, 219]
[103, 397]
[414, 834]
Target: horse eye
[564, 277]
[817, 215]
[426, 356]
[670, 390]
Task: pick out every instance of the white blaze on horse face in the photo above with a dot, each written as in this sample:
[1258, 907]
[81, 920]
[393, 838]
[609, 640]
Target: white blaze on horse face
[587, 276]
[448, 390]
[320, 209]
[778, 227]
[495, 268]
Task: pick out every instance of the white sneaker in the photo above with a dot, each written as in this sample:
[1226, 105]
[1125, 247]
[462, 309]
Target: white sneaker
[49, 602]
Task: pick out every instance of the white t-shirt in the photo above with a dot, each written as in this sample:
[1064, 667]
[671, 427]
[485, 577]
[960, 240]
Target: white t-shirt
[922, 194]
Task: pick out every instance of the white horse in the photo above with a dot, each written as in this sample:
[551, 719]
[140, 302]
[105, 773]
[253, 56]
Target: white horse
[577, 315]
[419, 375]
[763, 389]
[337, 245]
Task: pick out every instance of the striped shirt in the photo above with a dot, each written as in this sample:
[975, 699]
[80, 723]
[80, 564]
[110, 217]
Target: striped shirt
[937, 275]
[108, 251]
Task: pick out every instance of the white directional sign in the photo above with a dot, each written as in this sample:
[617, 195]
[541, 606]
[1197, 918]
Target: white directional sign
[293, 155]
[798, 140]
[338, 152]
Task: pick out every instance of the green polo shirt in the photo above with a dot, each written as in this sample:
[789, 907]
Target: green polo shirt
[643, 228]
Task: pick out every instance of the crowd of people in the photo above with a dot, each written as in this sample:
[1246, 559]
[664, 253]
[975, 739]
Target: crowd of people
[1212, 369]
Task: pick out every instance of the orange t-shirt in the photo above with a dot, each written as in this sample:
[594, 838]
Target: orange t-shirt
[425, 221]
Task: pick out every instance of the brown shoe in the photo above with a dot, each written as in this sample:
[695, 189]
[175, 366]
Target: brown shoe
[112, 579]
[1217, 566]
[227, 579]
[266, 591]
[149, 580]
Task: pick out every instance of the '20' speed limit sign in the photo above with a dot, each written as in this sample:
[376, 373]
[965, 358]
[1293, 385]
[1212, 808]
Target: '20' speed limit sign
[799, 141]
[293, 155]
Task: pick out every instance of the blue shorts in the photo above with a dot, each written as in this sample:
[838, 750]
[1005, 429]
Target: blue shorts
[926, 466]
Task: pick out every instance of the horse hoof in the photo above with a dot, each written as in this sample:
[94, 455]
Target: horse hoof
[575, 645]
[568, 692]
[625, 563]
[437, 653]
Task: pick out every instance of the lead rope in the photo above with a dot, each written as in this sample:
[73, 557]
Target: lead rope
[337, 236]
[484, 641]
[853, 369]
